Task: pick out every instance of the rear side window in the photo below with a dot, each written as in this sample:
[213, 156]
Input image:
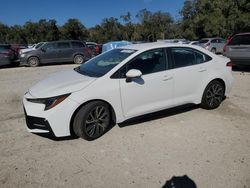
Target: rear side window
[63, 45]
[203, 41]
[77, 45]
[240, 40]
[183, 57]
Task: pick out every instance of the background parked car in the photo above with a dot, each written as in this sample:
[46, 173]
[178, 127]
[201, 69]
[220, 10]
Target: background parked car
[238, 49]
[57, 52]
[8, 55]
[114, 44]
[214, 45]
[33, 47]
[96, 48]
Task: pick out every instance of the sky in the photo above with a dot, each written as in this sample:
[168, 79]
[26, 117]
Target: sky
[89, 12]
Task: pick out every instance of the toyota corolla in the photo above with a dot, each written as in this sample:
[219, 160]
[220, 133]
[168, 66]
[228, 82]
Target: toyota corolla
[123, 83]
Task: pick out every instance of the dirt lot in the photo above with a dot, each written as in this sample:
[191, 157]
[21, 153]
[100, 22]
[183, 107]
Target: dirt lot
[211, 147]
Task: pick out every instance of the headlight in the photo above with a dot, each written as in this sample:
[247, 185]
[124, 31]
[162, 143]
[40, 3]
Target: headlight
[50, 102]
[22, 55]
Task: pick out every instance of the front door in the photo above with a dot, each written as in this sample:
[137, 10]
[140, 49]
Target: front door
[151, 92]
[49, 53]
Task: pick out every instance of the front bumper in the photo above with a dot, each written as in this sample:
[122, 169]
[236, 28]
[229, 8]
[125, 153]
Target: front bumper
[55, 121]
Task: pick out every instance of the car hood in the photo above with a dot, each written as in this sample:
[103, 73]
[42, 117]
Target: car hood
[26, 50]
[60, 83]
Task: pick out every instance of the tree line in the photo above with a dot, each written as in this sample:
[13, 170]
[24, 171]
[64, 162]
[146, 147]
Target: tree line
[198, 19]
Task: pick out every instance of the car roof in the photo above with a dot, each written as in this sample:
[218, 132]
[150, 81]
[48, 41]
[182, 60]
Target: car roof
[247, 33]
[148, 46]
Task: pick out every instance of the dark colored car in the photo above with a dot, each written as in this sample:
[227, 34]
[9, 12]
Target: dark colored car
[8, 56]
[238, 49]
[57, 52]
[96, 48]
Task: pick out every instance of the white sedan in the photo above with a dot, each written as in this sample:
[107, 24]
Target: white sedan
[123, 83]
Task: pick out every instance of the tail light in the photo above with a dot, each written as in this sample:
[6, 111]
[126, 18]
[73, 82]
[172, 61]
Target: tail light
[229, 64]
[228, 42]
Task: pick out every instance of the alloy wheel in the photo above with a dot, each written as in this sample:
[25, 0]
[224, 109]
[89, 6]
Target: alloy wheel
[214, 95]
[97, 121]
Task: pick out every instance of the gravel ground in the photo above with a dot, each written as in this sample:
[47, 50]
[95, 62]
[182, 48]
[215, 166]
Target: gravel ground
[211, 147]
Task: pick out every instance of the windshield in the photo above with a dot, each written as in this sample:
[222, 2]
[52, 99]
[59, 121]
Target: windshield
[38, 45]
[103, 63]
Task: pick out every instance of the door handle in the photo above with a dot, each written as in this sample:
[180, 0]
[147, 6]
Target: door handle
[167, 77]
[202, 69]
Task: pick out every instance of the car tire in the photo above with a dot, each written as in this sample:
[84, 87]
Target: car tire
[79, 59]
[33, 62]
[92, 120]
[213, 50]
[213, 95]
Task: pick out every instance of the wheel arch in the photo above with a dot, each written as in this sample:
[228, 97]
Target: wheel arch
[34, 56]
[199, 97]
[112, 111]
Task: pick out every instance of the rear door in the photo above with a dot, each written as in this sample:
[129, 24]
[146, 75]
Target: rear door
[65, 51]
[239, 47]
[190, 69]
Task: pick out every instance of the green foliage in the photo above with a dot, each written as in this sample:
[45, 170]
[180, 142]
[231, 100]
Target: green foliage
[199, 18]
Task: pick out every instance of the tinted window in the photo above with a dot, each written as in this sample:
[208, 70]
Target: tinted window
[183, 57]
[240, 40]
[149, 62]
[203, 41]
[49, 46]
[63, 45]
[5, 47]
[201, 58]
[215, 41]
[78, 45]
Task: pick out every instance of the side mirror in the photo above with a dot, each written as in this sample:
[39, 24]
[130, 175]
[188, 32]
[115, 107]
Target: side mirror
[133, 73]
[43, 49]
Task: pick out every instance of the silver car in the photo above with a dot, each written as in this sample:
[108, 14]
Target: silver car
[214, 45]
[238, 49]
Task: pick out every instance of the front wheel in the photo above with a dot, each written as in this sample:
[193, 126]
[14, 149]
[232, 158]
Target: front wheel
[213, 95]
[78, 59]
[92, 120]
[33, 62]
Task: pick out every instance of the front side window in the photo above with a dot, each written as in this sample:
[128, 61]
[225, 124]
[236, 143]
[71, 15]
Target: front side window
[149, 62]
[103, 63]
[49, 46]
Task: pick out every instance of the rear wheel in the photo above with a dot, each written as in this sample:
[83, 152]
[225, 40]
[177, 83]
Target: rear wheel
[33, 62]
[79, 59]
[213, 50]
[213, 95]
[92, 120]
